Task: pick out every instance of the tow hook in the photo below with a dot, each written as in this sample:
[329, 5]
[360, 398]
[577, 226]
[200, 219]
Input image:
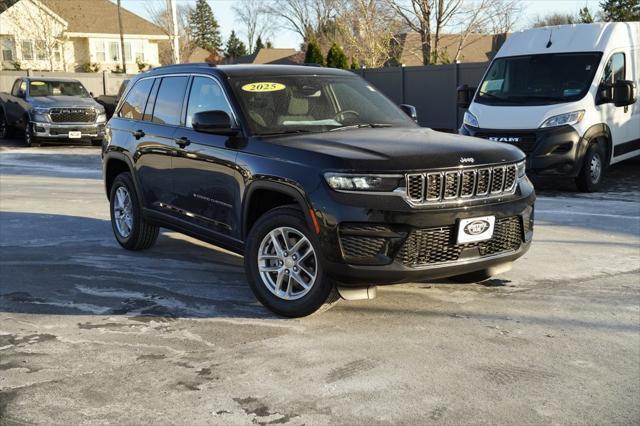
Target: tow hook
[358, 293]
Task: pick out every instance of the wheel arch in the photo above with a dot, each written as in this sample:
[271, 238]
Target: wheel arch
[262, 196]
[597, 132]
[114, 164]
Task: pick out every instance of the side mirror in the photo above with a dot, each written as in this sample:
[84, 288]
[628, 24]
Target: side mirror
[214, 122]
[22, 94]
[465, 94]
[623, 93]
[410, 110]
[91, 94]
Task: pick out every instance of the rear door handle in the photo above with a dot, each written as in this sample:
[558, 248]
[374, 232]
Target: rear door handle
[138, 134]
[183, 141]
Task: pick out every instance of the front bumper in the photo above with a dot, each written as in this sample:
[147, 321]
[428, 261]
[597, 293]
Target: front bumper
[60, 131]
[363, 246]
[555, 151]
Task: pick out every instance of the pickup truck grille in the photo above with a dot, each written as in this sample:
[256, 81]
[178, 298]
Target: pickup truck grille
[73, 115]
[461, 185]
[429, 246]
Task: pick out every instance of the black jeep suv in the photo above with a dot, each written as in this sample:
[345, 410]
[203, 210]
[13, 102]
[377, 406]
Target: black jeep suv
[324, 185]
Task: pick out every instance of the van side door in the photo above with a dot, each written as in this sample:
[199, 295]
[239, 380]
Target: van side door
[621, 120]
[205, 180]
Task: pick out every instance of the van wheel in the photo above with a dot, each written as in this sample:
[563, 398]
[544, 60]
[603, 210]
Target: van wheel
[592, 172]
[284, 265]
[129, 227]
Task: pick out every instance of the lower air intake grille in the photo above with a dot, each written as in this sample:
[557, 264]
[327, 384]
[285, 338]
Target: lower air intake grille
[425, 247]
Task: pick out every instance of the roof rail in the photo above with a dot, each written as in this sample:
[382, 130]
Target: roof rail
[190, 65]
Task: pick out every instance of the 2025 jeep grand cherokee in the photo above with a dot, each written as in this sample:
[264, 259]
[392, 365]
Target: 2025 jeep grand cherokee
[324, 185]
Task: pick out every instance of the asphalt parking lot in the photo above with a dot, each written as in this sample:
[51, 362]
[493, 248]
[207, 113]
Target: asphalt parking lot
[90, 333]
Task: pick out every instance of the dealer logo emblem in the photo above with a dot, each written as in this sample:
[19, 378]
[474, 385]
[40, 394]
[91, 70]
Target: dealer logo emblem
[476, 227]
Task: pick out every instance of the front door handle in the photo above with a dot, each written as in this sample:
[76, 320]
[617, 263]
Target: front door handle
[183, 141]
[138, 134]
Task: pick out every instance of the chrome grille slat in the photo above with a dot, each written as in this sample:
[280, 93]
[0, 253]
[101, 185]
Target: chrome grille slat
[461, 184]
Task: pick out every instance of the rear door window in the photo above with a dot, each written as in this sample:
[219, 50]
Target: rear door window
[168, 105]
[133, 105]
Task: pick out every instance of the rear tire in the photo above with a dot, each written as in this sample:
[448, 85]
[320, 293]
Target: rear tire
[129, 227]
[592, 172]
[284, 265]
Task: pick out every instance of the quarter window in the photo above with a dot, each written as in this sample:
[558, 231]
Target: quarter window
[615, 69]
[168, 104]
[133, 106]
[206, 95]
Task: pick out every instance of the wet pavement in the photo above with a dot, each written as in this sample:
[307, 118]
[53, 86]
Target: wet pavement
[90, 333]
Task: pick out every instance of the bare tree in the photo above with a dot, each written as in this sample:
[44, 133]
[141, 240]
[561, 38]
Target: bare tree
[430, 18]
[367, 28]
[161, 16]
[36, 24]
[254, 14]
[304, 17]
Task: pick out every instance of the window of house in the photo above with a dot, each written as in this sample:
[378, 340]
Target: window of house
[99, 51]
[57, 53]
[133, 105]
[7, 49]
[41, 50]
[114, 51]
[127, 51]
[169, 101]
[138, 47]
[27, 50]
[615, 69]
[206, 95]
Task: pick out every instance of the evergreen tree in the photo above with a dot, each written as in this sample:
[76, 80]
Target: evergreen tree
[259, 44]
[269, 44]
[336, 58]
[354, 64]
[235, 47]
[584, 15]
[204, 29]
[313, 54]
[620, 10]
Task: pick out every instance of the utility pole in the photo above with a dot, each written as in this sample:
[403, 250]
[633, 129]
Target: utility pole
[171, 5]
[124, 62]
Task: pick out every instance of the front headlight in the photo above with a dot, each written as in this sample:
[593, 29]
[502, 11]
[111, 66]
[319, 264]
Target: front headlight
[470, 119]
[39, 110]
[568, 118]
[365, 183]
[521, 166]
[102, 117]
[39, 114]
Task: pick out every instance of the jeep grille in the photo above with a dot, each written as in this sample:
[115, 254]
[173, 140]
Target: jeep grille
[461, 185]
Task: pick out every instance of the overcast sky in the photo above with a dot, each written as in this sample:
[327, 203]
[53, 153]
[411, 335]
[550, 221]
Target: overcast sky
[284, 38]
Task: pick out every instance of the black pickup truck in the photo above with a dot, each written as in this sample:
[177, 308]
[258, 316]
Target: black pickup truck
[51, 110]
[323, 184]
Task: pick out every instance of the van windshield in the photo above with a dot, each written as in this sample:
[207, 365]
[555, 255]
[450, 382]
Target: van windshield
[314, 103]
[538, 79]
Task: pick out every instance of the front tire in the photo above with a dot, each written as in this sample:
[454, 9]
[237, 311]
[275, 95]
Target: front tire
[29, 139]
[284, 265]
[592, 172]
[129, 227]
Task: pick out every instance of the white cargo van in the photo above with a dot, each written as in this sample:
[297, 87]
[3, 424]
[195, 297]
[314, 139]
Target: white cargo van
[565, 95]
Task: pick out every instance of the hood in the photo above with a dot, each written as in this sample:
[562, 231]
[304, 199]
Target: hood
[400, 149]
[62, 101]
[519, 117]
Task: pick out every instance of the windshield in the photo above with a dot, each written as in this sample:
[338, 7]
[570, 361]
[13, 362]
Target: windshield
[57, 88]
[300, 104]
[538, 79]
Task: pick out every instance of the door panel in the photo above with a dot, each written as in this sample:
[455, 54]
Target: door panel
[205, 181]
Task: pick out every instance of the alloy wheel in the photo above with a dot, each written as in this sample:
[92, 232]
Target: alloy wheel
[123, 212]
[287, 263]
[27, 135]
[595, 168]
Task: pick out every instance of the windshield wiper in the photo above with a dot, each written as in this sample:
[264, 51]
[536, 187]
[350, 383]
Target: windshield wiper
[492, 96]
[361, 125]
[284, 132]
